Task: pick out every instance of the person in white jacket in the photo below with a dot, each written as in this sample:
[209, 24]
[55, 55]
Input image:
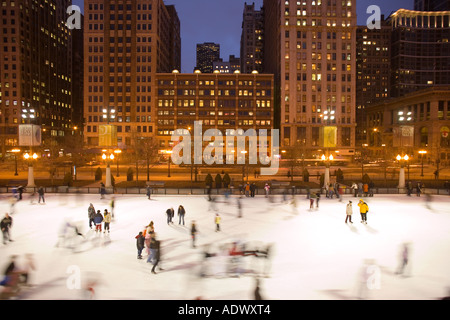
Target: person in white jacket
[349, 212]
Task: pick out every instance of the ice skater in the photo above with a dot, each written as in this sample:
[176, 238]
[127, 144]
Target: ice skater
[157, 256]
[217, 222]
[181, 213]
[170, 213]
[349, 212]
[404, 257]
[6, 225]
[41, 195]
[140, 240]
[106, 220]
[363, 210]
[91, 214]
[194, 232]
[98, 219]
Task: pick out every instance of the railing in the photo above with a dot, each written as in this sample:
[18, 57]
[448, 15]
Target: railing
[214, 191]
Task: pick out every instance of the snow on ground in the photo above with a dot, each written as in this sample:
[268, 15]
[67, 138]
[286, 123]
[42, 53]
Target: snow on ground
[315, 254]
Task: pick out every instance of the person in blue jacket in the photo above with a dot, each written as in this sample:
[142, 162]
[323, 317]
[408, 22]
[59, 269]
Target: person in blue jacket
[98, 219]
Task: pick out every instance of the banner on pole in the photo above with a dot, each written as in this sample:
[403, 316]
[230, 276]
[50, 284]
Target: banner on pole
[328, 137]
[403, 136]
[107, 136]
[29, 135]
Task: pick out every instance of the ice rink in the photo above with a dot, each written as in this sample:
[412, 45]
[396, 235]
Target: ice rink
[314, 255]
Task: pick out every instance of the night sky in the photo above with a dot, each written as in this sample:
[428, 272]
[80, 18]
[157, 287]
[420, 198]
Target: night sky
[220, 21]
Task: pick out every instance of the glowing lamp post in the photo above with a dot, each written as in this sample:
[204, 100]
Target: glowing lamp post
[422, 153]
[29, 159]
[117, 152]
[169, 153]
[327, 160]
[15, 151]
[108, 183]
[401, 177]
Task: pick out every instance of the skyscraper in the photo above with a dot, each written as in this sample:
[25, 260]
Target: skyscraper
[420, 50]
[207, 53]
[311, 45]
[373, 50]
[35, 70]
[432, 5]
[252, 39]
[125, 44]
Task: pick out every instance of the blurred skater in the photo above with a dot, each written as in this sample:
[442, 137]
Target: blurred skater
[28, 267]
[194, 232]
[113, 204]
[404, 258]
[257, 291]
[6, 225]
[267, 190]
[217, 222]
[41, 195]
[239, 206]
[91, 214]
[149, 192]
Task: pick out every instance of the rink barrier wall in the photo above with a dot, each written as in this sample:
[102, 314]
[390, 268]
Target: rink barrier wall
[203, 191]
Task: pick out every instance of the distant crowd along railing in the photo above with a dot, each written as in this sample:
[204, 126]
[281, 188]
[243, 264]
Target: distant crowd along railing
[161, 190]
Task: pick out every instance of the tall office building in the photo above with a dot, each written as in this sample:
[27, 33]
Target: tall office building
[372, 72]
[432, 5]
[125, 44]
[420, 54]
[207, 53]
[252, 39]
[312, 45]
[35, 70]
[219, 101]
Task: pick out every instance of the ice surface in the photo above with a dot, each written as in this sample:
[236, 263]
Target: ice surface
[315, 254]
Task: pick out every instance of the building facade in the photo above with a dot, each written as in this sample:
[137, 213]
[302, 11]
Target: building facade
[420, 51]
[217, 101]
[411, 123]
[432, 5]
[252, 39]
[126, 44]
[35, 70]
[312, 45]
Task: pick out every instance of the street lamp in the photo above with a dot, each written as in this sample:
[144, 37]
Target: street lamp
[422, 153]
[108, 183]
[117, 152]
[15, 151]
[244, 152]
[327, 160]
[29, 158]
[169, 152]
[401, 178]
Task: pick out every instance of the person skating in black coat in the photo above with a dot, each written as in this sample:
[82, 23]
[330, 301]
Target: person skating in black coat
[170, 213]
[140, 240]
[5, 226]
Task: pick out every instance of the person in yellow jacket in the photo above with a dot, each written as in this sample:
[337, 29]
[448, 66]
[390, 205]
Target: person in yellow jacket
[217, 221]
[363, 209]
